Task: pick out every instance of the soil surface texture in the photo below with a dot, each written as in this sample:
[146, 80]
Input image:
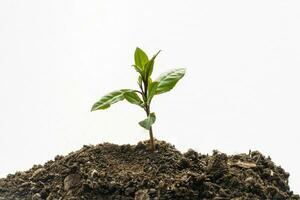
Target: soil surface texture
[132, 172]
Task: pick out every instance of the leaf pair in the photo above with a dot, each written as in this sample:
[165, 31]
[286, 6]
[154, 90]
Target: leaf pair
[143, 65]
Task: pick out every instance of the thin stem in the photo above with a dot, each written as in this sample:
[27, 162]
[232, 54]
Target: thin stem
[141, 87]
[147, 109]
[152, 145]
[138, 92]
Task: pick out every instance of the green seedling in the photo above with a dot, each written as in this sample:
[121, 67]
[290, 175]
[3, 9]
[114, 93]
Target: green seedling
[147, 89]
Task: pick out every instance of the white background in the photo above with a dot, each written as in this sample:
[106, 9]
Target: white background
[241, 90]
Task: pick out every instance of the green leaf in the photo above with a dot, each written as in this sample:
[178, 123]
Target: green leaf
[140, 58]
[147, 123]
[133, 98]
[151, 91]
[168, 80]
[140, 80]
[138, 69]
[149, 81]
[149, 66]
[109, 99]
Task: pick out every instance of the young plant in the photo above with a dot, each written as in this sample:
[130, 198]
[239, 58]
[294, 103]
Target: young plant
[147, 89]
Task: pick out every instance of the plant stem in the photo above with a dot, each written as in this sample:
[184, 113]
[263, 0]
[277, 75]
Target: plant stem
[147, 109]
[152, 145]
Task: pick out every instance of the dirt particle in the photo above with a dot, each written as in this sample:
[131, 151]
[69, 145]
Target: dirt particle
[72, 181]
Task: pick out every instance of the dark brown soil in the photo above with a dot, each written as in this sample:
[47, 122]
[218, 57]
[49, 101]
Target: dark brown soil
[107, 171]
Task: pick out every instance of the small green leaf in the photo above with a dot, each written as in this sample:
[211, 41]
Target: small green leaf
[140, 80]
[149, 81]
[138, 69]
[109, 99]
[151, 91]
[140, 58]
[149, 66]
[133, 98]
[168, 80]
[148, 122]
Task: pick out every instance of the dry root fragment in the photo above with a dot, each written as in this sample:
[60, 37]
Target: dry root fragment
[246, 165]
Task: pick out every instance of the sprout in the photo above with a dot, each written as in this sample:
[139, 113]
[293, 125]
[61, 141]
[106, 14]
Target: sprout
[147, 89]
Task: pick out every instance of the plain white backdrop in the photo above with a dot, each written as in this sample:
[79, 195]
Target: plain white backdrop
[241, 90]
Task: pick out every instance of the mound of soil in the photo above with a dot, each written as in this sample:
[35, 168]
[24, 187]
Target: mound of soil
[107, 171]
